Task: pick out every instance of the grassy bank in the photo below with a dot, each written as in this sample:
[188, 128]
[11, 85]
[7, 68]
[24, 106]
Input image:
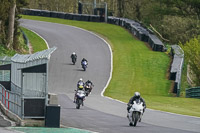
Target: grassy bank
[37, 43]
[136, 68]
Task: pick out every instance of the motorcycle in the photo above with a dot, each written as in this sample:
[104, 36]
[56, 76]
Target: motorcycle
[84, 65]
[135, 113]
[88, 88]
[80, 97]
[74, 61]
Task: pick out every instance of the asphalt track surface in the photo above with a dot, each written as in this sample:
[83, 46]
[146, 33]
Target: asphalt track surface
[99, 114]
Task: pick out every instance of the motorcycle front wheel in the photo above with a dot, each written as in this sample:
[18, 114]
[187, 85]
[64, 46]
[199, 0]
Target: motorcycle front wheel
[78, 103]
[135, 117]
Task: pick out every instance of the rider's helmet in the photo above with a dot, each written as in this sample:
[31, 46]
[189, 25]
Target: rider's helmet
[80, 79]
[137, 95]
[73, 53]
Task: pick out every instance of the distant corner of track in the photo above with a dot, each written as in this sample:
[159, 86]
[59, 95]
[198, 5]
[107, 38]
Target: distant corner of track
[110, 77]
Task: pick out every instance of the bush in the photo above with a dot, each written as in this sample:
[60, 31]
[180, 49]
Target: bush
[179, 29]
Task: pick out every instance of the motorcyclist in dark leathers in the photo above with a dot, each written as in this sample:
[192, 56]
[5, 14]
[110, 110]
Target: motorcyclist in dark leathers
[89, 82]
[74, 57]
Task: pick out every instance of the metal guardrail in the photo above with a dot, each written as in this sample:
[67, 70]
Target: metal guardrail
[176, 67]
[11, 100]
[25, 37]
[193, 92]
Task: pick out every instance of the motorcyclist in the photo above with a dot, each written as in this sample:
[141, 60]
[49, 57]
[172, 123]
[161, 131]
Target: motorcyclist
[131, 101]
[83, 61]
[74, 56]
[80, 86]
[135, 97]
[89, 82]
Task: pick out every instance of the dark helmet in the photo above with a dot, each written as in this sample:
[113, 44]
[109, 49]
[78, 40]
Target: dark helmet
[137, 95]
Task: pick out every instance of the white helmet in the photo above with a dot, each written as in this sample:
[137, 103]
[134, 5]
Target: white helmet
[137, 94]
[80, 79]
[73, 53]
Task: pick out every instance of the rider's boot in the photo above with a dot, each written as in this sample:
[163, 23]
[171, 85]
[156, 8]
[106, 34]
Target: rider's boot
[74, 99]
[140, 117]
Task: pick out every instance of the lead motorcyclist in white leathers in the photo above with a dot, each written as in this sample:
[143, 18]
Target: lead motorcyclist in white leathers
[135, 104]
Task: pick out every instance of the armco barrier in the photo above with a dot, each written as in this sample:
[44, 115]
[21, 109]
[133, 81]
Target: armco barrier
[61, 15]
[176, 67]
[45, 13]
[139, 31]
[193, 92]
[54, 14]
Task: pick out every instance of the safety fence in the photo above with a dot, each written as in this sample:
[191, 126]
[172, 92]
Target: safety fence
[24, 107]
[193, 92]
[11, 100]
[140, 31]
[70, 16]
[25, 37]
[176, 67]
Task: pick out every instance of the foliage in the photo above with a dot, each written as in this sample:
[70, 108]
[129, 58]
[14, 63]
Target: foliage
[192, 55]
[184, 83]
[5, 51]
[54, 5]
[4, 21]
[180, 29]
[4, 7]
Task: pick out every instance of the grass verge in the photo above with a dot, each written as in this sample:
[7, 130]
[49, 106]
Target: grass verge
[135, 68]
[37, 43]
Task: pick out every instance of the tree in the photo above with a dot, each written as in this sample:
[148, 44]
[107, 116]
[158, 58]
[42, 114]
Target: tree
[192, 56]
[4, 7]
[11, 24]
[179, 29]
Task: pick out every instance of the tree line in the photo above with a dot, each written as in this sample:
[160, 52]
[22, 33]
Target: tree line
[9, 15]
[176, 20]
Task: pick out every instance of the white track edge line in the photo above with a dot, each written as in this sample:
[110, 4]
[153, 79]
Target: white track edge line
[39, 36]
